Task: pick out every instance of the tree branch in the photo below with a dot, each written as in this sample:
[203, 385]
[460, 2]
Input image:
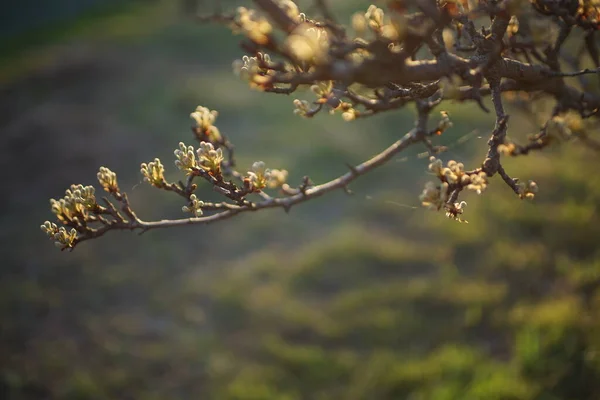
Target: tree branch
[281, 202]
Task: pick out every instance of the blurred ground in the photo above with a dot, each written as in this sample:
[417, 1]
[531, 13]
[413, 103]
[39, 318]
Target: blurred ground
[348, 297]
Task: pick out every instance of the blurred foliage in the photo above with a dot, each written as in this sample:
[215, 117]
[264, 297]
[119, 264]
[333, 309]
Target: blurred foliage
[358, 297]
[364, 314]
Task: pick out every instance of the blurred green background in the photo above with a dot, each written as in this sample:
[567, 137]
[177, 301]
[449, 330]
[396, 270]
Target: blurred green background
[347, 297]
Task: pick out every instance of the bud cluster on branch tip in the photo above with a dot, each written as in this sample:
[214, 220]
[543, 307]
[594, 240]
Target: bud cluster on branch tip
[205, 119]
[277, 178]
[527, 190]
[324, 92]
[455, 174]
[322, 89]
[350, 114]
[253, 70]
[444, 123]
[74, 207]
[455, 210]
[374, 17]
[186, 158]
[301, 107]
[259, 176]
[210, 159]
[434, 195]
[507, 148]
[478, 183]
[85, 195]
[256, 27]
[308, 44]
[154, 173]
[194, 206]
[564, 126]
[62, 238]
[375, 20]
[108, 180]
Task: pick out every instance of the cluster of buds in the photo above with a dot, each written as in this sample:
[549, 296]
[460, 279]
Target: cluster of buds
[194, 206]
[564, 126]
[62, 238]
[325, 94]
[444, 123]
[350, 114]
[454, 174]
[434, 195]
[558, 128]
[302, 108]
[507, 148]
[527, 190]
[85, 195]
[256, 27]
[76, 204]
[186, 158]
[108, 180]
[153, 173]
[253, 70]
[322, 89]
[204, 128]
[374, 20]
[78, 208]
[452, 177]
[259, 176]
[308, 44]
[453, 211]
[478, 182]
[210, 159]
[374, 16]
[277, 178]
[436, 166]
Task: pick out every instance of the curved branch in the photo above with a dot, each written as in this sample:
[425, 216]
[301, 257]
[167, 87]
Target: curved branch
[274, 202]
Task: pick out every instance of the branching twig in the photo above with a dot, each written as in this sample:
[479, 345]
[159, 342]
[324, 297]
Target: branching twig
[286, 203]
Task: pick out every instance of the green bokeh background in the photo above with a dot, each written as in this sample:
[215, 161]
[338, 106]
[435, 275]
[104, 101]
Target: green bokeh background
[345, 297]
